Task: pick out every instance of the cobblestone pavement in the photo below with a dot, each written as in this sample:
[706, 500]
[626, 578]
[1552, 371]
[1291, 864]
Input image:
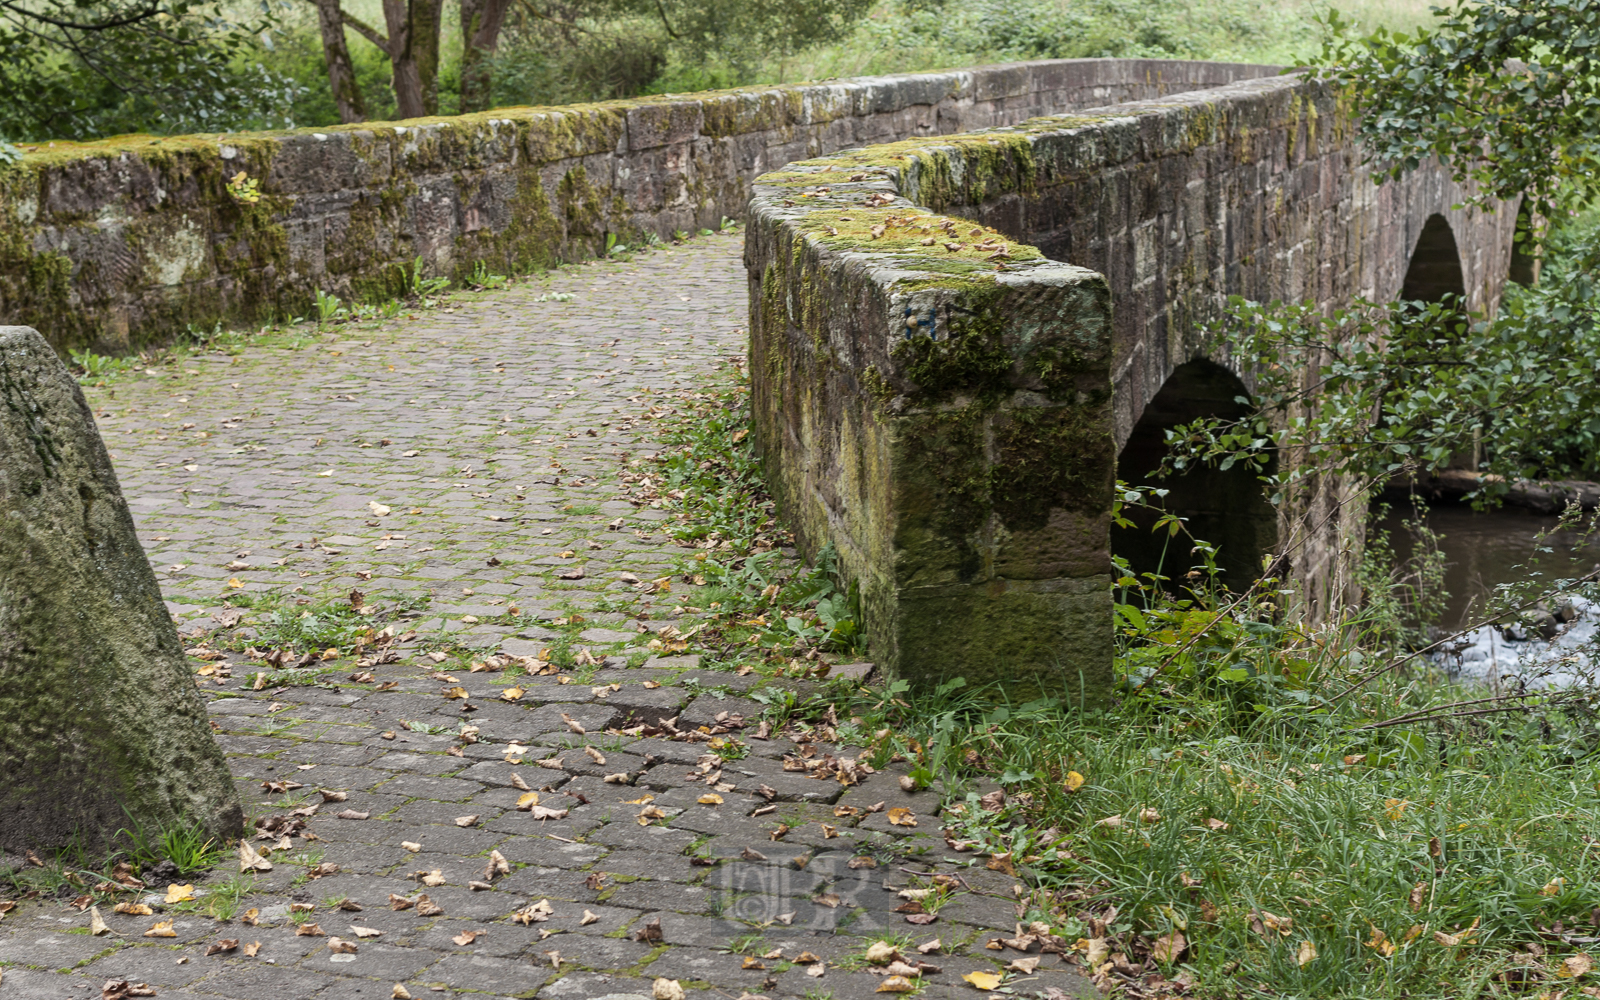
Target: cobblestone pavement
[452, 466]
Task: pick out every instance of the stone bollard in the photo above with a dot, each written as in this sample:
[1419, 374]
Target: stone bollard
[101, 728]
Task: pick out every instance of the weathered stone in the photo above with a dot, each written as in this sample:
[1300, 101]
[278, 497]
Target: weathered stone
[347, 209]
[945, 404]
[100, 725]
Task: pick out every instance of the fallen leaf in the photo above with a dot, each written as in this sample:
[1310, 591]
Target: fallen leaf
[895, 984]
[512, 694]
[901, 816]
[1394, 809]
[161, 928]
[252, 949]
[881, 953]
[816, 971]
[179, 894]
[543, 812]
[352, 814]
[1574, 966]
[466, 821]
[1148, 815]
[666, 989]
[427, 907]
[1167, 948]
[595, 755]
[340, 946]
[365, 932]
[929, 947]
[1027, 965]
[400, 992]
[466, 937]
[97, 923]
[710, 799]
[432, 879]
[411, 846]
[650, 933]
[587, 919]
[1074, 781]
[828, 899]
[134, 909]
[250, 860]
[983, 980]
[1452, 940]
[806, 958]
[1306, 955]
[309, 930]
[1416, 896]
[400, 902]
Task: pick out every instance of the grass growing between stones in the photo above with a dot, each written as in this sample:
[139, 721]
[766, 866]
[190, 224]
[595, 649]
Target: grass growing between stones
[1243, 819]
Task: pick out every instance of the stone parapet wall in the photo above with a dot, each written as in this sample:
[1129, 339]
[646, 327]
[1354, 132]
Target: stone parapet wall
[1254, 188]
[945, 426]
[121, 243]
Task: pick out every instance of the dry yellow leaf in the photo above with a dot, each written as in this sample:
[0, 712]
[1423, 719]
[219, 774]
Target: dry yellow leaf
[1074, 781]
[1306, 955]
[666, 989]
[527, 800]
[1574, 966]
[454, 692]
[901, 816]
[983, 980]
[511, 694]
[1395, 808]
[710, 799]
[133, 909]
[587, 919]
[97, 923]
[161, 928]
[896, 984]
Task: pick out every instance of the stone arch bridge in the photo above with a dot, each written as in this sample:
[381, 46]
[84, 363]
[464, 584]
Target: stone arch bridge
[952, 428]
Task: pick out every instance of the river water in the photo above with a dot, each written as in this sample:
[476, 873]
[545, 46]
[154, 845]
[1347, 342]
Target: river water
[1495, 547]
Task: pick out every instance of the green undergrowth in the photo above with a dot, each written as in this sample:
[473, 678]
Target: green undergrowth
[1263, 808]
[768, 610]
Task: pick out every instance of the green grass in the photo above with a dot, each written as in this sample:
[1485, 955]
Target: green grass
[1427, 860]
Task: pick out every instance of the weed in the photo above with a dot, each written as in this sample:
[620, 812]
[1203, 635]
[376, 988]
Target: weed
[187, 846]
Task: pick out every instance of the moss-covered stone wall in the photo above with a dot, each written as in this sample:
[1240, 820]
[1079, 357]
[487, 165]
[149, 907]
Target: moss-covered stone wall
[120, 243]
[943, 401]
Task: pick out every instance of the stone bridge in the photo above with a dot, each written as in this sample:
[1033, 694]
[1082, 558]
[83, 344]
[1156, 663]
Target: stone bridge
[954, 332]
[958, 343]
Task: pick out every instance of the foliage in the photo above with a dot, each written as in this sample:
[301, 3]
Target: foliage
[1506, 91]
[88, 68]
[1377, 390]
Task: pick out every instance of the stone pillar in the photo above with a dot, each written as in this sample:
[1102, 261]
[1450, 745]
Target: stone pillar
[101, 727]
[946, 424]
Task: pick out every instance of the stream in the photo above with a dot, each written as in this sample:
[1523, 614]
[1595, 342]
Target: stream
[1495, 547]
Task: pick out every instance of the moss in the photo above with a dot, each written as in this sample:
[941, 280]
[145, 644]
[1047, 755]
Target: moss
[923, 236]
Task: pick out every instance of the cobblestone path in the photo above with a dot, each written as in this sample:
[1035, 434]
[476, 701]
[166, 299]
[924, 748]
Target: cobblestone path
[453, 466]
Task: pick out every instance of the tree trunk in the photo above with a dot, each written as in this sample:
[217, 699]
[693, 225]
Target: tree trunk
[427, 20]
[341, 71]
[101, 729]
[407, 78]
[480, 36]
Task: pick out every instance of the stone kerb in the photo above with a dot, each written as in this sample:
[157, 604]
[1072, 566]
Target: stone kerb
[119, 243]
[933, 399]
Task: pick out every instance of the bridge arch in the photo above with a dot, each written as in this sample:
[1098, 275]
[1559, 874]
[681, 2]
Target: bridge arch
[1225, 508]
[1435, 268]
